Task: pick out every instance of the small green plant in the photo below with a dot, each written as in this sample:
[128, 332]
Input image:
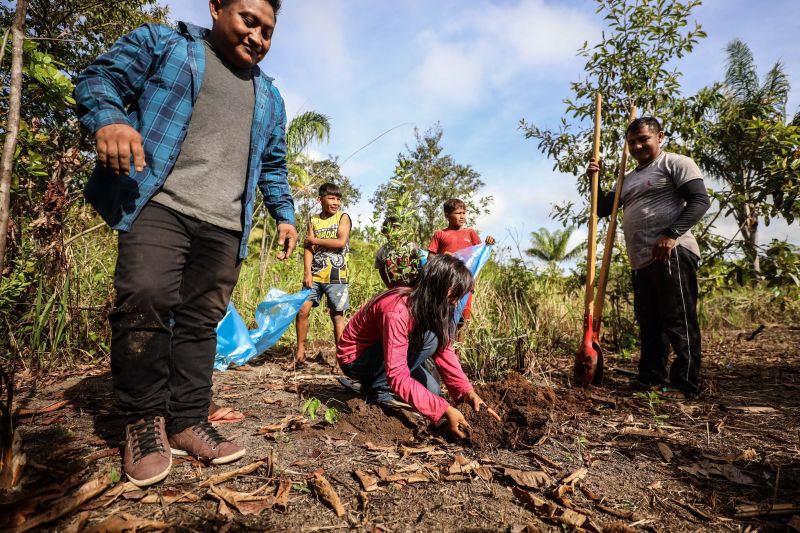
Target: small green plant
[311, 410]
[332, 415]
[301, 488]
[115, 476]
[580, 443]
[653, 402]
[311, 407]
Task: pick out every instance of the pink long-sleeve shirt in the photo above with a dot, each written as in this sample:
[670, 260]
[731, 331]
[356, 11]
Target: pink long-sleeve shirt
[386, 320]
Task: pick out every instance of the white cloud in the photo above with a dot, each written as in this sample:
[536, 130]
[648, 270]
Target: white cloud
[484, 47]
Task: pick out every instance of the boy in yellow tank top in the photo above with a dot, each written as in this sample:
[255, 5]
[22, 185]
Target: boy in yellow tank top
[325, 265]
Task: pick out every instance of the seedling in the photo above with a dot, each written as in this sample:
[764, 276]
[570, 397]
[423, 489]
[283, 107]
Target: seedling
[311, 409]
[331, 415]
[653, 401]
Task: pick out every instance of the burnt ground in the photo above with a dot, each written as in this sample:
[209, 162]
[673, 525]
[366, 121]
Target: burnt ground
[602, 459]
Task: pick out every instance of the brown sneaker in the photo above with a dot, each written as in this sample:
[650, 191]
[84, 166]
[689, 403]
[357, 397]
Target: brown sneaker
[203, 441]
[147, 458]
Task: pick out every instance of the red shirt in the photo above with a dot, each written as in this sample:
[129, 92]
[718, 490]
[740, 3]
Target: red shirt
[452, 240]
[386, 320]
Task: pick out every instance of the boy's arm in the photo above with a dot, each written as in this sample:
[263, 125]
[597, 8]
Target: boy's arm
[342, 235]
[474, 237]
[308, 257]
[274, 183]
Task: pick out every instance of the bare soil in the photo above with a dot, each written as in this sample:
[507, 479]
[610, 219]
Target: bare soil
[649, 464]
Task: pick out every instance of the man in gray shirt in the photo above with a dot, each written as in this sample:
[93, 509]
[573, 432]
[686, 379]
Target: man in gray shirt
[663, 197]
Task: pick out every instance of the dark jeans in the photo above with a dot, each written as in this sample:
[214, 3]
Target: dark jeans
[369, 370]
[173, 280]
[665, 302]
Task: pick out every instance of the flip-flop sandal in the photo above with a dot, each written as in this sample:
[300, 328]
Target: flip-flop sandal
[224, 415]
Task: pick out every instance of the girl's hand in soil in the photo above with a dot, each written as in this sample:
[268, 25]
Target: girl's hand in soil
[476, 402]
[455, 421]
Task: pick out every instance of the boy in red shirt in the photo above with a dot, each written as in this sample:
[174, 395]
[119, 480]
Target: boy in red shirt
[456, 237]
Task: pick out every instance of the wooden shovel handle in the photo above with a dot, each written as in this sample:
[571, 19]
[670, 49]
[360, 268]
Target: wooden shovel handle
[605, 265]
[591, 252]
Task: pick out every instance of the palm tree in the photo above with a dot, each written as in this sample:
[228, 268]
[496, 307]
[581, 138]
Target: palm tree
[743, 139]
[551, 247]
[304, 129]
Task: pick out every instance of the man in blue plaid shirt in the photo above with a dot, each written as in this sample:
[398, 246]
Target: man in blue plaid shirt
[187, 126]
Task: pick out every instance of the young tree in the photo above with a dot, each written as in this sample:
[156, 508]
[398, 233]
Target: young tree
[628, 66]
[433, 177]
[552, 247]
[742, 139]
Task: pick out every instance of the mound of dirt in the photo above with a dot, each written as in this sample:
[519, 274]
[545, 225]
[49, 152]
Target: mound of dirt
[379, 425]
[526, 410]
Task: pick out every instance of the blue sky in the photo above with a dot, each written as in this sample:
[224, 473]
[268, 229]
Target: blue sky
[477, 68]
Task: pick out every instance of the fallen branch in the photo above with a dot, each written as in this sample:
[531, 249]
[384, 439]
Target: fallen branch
[247, 469]
[24, 413]
[749, 510]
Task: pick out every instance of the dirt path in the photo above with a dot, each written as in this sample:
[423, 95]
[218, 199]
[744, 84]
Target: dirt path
[637, 464]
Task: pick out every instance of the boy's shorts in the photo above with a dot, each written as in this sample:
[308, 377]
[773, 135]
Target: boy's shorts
[338, 295]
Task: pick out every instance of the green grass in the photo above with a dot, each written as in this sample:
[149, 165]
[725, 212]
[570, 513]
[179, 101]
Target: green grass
[53, 320]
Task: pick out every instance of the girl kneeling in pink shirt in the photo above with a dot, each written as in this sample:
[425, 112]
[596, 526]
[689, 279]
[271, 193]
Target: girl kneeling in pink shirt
[385, 344]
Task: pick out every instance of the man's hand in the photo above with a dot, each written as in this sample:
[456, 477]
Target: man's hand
[489, 240]
[287, 237]
[471, 398]
[455, 421]
[595, 165]
[308, 280]
[116, 143]
[663, 248]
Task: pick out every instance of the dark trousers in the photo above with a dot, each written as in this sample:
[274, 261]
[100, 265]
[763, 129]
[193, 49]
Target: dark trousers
[369, 370]
[173, 280]
[665, 302]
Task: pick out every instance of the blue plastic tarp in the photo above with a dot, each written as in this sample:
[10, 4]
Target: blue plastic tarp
[238, 345]
[474, 257]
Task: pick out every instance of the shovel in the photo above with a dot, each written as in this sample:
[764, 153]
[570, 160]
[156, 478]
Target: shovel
[605, 265]
[589, 356]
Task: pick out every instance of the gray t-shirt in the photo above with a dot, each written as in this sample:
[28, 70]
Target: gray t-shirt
[652, 203]
[209, 176]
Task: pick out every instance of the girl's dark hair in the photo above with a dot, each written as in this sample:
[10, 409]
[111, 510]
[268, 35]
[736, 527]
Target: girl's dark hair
[443, 279]
[275, 4]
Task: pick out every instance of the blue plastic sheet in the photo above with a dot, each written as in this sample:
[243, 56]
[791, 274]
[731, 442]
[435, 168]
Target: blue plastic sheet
[238, 345]
[474, 257]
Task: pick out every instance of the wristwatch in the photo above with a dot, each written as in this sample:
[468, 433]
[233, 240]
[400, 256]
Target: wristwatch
[672, 233]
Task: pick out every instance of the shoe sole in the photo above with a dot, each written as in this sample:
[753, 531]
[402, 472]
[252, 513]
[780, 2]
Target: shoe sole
[153, 480]
[217, 460]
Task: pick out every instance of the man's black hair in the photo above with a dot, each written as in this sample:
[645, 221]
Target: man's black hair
[331, 189]
[452, 204]
[275, 4]
[641, 122]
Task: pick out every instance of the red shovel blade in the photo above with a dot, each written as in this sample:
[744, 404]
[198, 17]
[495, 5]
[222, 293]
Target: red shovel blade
[589, 358]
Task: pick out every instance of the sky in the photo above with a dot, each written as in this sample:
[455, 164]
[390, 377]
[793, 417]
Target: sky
[477, 68]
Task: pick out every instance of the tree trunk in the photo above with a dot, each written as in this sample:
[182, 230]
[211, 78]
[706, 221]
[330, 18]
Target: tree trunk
[749, 224]
[12, 129]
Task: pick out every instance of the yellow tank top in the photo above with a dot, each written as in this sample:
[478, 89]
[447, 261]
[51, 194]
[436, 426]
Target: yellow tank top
[328, 266]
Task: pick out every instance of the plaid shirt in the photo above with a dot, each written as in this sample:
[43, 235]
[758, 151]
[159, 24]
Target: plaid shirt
[150, 80]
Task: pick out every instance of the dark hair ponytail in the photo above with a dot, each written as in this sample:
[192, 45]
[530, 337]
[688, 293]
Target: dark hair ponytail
[443, 279]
